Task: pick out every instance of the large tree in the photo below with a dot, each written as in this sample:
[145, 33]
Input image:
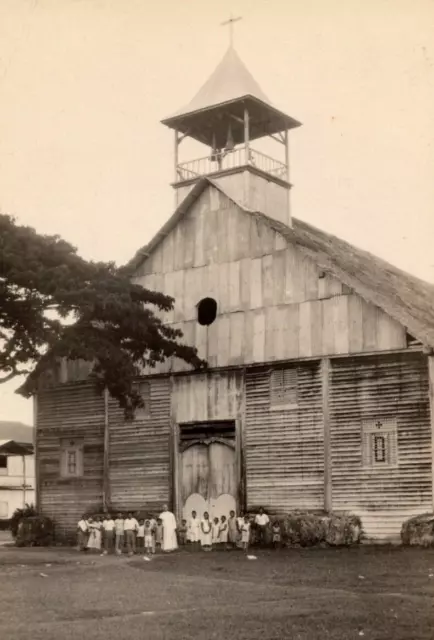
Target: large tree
[54, 304]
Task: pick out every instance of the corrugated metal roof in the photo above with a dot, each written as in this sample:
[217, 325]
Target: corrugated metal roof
[231, 80]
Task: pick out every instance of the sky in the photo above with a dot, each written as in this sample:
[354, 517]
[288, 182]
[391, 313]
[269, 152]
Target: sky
[85, 83]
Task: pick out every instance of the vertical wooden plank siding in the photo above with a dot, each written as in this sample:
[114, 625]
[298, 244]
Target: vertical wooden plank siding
[70, 411]
[284, 450]
[219, 251]
[377, 388]
[212, 396]
[431, 402]
[325, 390]
[140, 453]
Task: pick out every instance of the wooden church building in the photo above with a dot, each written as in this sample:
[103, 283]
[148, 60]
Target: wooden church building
[321, 371]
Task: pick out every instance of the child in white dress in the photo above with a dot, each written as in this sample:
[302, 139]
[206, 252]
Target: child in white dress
[245, 533]
[224, 532]
[119, 533]
[215, 532]
[193, 528]
[206, 529]
[95, 526]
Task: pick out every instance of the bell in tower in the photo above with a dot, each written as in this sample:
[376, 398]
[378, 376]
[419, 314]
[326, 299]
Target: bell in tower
[227, 115]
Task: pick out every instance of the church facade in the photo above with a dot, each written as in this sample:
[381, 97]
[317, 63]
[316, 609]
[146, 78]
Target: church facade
[320, 366]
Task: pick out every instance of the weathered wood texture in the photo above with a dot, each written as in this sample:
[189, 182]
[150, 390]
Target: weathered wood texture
[431, 402]
[273, 301]
[139, 462]
[70, 411]
[207, 396]
[379, 388]
[284, 450]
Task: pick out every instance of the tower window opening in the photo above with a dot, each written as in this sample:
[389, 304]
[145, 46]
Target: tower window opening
[206, 311]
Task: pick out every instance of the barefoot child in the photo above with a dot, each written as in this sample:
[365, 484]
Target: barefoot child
[119, 533]
[224, 532]
[194, 530]
[159, 533]
[215, 532]
[149, 538]
[206, 528]
[276, 534]
[108, 531]
[182, 533]
[245, 534]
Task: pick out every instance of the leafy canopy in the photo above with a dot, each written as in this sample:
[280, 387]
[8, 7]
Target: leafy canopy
[54, 304]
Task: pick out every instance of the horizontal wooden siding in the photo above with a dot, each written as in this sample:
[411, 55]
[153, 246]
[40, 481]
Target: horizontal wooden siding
[381, 388]
[140, 453]
[70, 411]
[284, 449]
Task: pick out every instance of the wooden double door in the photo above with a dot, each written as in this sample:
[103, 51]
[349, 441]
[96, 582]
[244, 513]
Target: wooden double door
[208, 469]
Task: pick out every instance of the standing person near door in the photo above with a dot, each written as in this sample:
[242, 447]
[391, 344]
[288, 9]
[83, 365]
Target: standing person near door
[119, 533]
[206, 528]
[170, 542]
[233, 530]
[262, 521]
[131, 527]
[82, 534]
[193, 529]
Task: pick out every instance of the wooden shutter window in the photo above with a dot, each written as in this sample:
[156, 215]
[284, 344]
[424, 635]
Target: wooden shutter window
[283, 388]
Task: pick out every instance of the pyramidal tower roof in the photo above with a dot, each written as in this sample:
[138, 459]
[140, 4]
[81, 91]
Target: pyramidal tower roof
[223, 97]
[231, 80]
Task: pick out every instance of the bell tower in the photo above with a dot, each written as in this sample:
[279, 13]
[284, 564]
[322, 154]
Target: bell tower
[227, 115]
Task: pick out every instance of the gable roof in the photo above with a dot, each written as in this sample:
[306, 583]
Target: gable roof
[13, 448]
[407, 299]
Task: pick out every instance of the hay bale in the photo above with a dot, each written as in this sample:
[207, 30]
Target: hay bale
[342, 530]
[418, 531]
[307, 529]
[303, 529]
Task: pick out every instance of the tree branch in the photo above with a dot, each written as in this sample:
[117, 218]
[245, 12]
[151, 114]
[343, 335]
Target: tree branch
[13, 374]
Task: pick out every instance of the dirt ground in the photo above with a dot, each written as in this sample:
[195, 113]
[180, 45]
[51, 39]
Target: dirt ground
[373, 593]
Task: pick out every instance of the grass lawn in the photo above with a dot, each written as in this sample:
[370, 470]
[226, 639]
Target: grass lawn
[373, 593]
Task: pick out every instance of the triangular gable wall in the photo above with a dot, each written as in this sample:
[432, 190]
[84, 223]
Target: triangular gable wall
[407, 299]
[274, 301]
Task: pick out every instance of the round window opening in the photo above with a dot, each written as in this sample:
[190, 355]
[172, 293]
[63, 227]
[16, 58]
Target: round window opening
[206, 311]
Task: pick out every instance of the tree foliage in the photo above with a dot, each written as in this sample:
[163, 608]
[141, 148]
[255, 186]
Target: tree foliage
[54, 304]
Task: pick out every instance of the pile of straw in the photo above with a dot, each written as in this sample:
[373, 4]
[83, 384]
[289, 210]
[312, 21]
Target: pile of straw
[418, 531]
[306, 529]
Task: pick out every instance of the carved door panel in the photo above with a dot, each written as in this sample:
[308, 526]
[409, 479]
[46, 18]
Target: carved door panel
[208, 477]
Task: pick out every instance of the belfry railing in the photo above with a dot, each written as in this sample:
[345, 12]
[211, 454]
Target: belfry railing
[226, 160]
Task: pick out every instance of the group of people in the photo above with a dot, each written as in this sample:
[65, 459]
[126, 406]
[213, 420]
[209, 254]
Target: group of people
[108, 534]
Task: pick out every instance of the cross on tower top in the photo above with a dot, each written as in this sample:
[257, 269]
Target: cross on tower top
[230, 24]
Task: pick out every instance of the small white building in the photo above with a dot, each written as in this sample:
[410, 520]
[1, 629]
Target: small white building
[17, 467]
